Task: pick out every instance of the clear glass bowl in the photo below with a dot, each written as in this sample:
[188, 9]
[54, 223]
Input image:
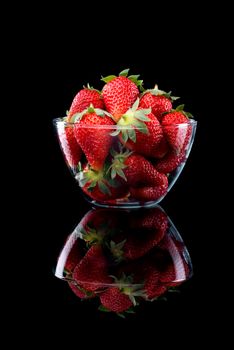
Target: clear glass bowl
[112, 172]
[124, 257]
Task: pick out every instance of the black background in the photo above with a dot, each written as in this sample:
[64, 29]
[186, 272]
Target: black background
[51, 55]
[187, 203]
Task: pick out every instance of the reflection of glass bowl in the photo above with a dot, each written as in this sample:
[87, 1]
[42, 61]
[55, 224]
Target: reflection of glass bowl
[125, 175]
[124, 257]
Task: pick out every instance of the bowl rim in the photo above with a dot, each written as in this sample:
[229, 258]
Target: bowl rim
[192, 122]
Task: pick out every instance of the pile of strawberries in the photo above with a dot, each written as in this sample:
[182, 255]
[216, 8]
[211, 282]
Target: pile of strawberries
[123, 142]
[123, 258]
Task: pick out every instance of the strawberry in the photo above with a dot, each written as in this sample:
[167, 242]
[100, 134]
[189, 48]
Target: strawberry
[69, 145]
[159, 101]
[92, 272]
[140, 172]
[149, 193]
[84, 99]
[162, 149]
[138, 132]
[99, 186]
[170, 162]
[145, 182]
[120, 93]
[177, 129]
[92, 136]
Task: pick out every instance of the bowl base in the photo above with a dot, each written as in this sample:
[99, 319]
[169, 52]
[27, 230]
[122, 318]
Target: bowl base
[124, 205]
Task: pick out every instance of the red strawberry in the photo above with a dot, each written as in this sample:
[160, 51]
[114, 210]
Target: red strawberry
[145, 132]
[92, 272]
[71, 148]
[170, 162]
[110, 192]
[151, 193]
[99, 186]
[139, 130]
[92, 136]
[162, 149]
[146, 183]
[84, 99]
[148, 193]
[69, 145]
[120, 93]
[114, 300]
[140, 172]
[177, 129]
[168, 274]
[159, 103]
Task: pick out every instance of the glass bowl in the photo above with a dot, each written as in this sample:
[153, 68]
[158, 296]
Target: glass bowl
[124, 257]
[117, 166]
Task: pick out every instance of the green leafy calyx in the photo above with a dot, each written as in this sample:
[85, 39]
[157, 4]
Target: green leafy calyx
[117, 167]
[100, 112]
[134, 119]
[156, 92]
[134, 78]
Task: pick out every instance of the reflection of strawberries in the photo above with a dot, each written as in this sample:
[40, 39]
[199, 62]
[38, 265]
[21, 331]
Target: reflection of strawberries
[174, 269]
[92, 272]
[97, 225]
[153, 286]
[80, 292]
[137, 244]
[114, 300]
[149, 219]
[74, 257]
[146, 229]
